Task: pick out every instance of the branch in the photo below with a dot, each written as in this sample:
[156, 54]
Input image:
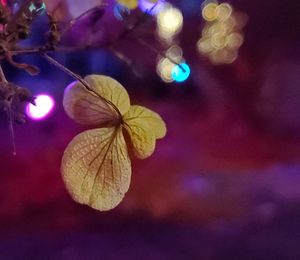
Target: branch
[9, 114]
[11, 130]
[2, 76]
[73, 21]
[139, 22]
[81, 80]
[159, 52]
[43, 49]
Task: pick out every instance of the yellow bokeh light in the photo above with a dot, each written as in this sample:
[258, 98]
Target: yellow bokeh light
[209, 12]
[169, 21]
[175, 53]
[130, 4]
[164, 70]
[223, 11]
[223, 56]
[165, 35]
[229, 24]
[217, 28]
[241, 20]
[222, 34]
[204, 45]
[218, 40]
[206, 30]
[234, 40]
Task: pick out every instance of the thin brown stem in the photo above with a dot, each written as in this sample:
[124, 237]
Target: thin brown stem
[41, 49]
[9, 114]
[28, 51]
[66, 70]
[159, 52]
[128, 31]
[2, 76]
[73, 21]
[81, 80]
[11, 130]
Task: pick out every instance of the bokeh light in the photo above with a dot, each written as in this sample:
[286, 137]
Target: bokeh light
[234, 40]
[120, 11]
[223, 11]
[209, 12]
[222, 34]
[164, 70]
[204, 45]
[218, 40]
[146, 5]
[181, 73]
[169, 21]
[44, 106]
[130, 4]
[175, 53]
[222, 56]
[41, 9]
[167, 68]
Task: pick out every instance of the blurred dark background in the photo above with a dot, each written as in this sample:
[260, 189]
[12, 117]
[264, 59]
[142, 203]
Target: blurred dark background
[223, 184]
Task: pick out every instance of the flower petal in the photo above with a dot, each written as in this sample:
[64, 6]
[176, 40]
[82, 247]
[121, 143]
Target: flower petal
[96, 168]
[111, 90]
[144, 115]
[144, 127]
[86, 108]
[98, 107]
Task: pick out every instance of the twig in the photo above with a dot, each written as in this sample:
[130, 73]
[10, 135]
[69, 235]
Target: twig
[122, 57]
[66, 70]
[9, 115]
[81, 80]
[73, 21]
[153, 49]
[42, 49]
[11, 130]
[2, 76]
[161, 53]
[139, 21]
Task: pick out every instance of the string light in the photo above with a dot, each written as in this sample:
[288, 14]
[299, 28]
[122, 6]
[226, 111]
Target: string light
[181, 73]
[130, 4]
[223, 11]
[222, 35]
[164, 69]
[40, 9]
[44, 106]
[175, 53]
[209, 12]
[169, 21]
[167, 68]
[234, 40]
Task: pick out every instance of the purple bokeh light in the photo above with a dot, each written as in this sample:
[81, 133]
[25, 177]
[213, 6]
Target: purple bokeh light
[44, 106]
[147, 5]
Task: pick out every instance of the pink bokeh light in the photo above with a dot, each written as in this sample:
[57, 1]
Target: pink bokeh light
[43, 108]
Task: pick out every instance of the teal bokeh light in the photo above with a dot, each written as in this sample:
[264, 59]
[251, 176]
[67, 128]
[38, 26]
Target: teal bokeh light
[180, 73]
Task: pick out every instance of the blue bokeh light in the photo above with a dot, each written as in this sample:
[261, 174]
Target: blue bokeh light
[180, 75]
[120, 11]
